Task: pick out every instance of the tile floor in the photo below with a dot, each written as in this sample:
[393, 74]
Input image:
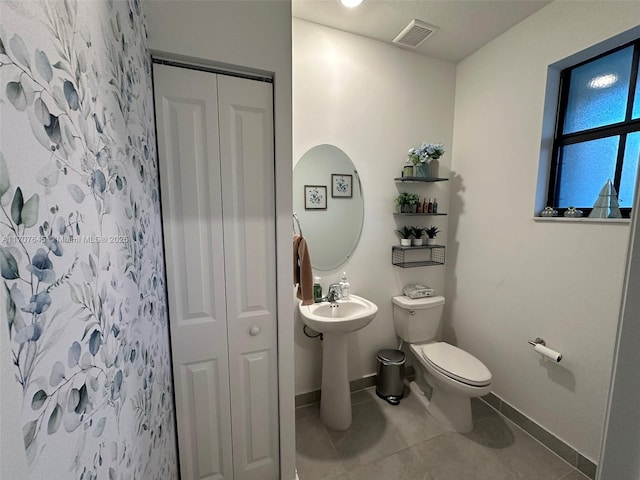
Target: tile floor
[403, 442]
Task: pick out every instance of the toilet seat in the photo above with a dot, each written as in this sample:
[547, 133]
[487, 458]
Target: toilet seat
[455, 363]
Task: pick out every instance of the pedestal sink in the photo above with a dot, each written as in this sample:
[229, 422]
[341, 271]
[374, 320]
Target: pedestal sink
[335, 321]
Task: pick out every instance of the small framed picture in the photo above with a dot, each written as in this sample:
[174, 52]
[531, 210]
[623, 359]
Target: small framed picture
[315, 197]
[341, 185]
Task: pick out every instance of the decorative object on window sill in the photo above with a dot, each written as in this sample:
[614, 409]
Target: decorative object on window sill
[606, 205]
[421, 157]
[573, 212]
[549, 212]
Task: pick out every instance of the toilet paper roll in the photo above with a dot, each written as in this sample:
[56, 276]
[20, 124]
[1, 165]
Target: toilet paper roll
[547, 352]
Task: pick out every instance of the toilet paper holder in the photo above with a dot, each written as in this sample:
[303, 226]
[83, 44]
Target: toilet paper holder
[540, 346]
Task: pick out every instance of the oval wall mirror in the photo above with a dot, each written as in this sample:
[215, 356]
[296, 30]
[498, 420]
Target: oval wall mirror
[327, 197]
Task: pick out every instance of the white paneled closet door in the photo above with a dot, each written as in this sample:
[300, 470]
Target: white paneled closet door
[215, 147]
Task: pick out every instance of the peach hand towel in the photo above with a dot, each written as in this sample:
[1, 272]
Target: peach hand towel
[302, 273]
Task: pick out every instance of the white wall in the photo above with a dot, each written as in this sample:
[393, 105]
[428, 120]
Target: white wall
[250, 35]
[510, 279]
[374, 101]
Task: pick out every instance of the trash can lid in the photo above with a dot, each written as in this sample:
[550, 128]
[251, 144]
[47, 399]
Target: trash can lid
[391, 356]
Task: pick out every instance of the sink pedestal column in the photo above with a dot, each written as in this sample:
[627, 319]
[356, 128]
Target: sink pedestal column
[335, 399]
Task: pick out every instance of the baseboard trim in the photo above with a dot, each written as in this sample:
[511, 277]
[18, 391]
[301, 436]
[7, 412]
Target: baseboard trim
[548, 439]
[308, 398]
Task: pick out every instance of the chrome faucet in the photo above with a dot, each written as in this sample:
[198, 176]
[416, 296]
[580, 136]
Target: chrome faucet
[333, 295]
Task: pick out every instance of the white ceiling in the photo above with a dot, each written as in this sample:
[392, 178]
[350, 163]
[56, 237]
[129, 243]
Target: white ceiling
[463, 25]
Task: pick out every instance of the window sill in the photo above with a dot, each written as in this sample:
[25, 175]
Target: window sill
[618, 221]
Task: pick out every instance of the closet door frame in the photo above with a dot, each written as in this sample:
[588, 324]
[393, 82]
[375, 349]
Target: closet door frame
[255, 366]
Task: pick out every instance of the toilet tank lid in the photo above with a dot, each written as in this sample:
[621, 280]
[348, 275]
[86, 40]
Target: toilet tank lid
[417, 303]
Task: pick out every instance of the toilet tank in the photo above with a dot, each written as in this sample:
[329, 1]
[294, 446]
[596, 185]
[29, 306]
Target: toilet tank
[417, 319]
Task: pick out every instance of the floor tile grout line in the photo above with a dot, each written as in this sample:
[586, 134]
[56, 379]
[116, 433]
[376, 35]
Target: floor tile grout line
[574, 467]
[333, 447]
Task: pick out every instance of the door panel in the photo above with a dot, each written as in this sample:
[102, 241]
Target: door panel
[201, 382]
[187, 114]
[255, 372]
[246, 150]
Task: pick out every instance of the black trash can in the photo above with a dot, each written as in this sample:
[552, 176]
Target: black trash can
[390, 372]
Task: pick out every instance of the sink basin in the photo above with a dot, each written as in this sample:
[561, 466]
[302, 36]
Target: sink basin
[343, 316]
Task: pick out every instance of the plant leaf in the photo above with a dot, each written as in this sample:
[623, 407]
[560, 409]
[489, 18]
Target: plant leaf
[73, 399]
[43, 66]
[71, 95]
[8, 265]
[94, 342]
[29, 212]
[94, 267]
[54, 420]
[53, 129]
[30, 333]
[116, 385]
[16, 207]
[38, 399]
[57, 374]
[73, 357]
[29, 432]
[41, 112]
[83, 402]
[76, 193]
[99, 427]
[99, 181]
[4, 176]
[19, 49]
[17, 96]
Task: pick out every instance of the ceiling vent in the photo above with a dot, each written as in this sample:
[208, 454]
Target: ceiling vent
[414, 34]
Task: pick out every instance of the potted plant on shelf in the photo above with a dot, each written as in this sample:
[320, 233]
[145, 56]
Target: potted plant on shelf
[417, 235]
[406, 201]
[422, 156]
[432, 231]
[405, 236]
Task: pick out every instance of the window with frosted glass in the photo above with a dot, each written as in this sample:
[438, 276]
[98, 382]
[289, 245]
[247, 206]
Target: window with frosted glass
[598, 132]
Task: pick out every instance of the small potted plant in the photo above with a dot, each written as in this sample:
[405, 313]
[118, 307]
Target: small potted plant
[432, 231]
[406, 201]
[405, 236]
[417, 235]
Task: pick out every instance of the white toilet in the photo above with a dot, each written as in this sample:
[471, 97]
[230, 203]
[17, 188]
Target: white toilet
[453, 374]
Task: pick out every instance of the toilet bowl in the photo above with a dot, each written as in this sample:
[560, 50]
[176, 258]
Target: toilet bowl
[455, 376]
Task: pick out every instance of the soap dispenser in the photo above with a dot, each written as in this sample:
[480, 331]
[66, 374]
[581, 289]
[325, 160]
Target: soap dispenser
[317, 290]
[344, 287]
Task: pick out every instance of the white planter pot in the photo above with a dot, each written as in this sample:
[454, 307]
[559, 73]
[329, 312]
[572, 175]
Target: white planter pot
[405, 242]
[431, 241]
[417, 241]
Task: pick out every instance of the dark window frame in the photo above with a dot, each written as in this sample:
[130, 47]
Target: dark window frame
[621, 128]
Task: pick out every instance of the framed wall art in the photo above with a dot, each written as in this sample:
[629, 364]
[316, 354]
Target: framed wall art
[315, 197]
[341, 185]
